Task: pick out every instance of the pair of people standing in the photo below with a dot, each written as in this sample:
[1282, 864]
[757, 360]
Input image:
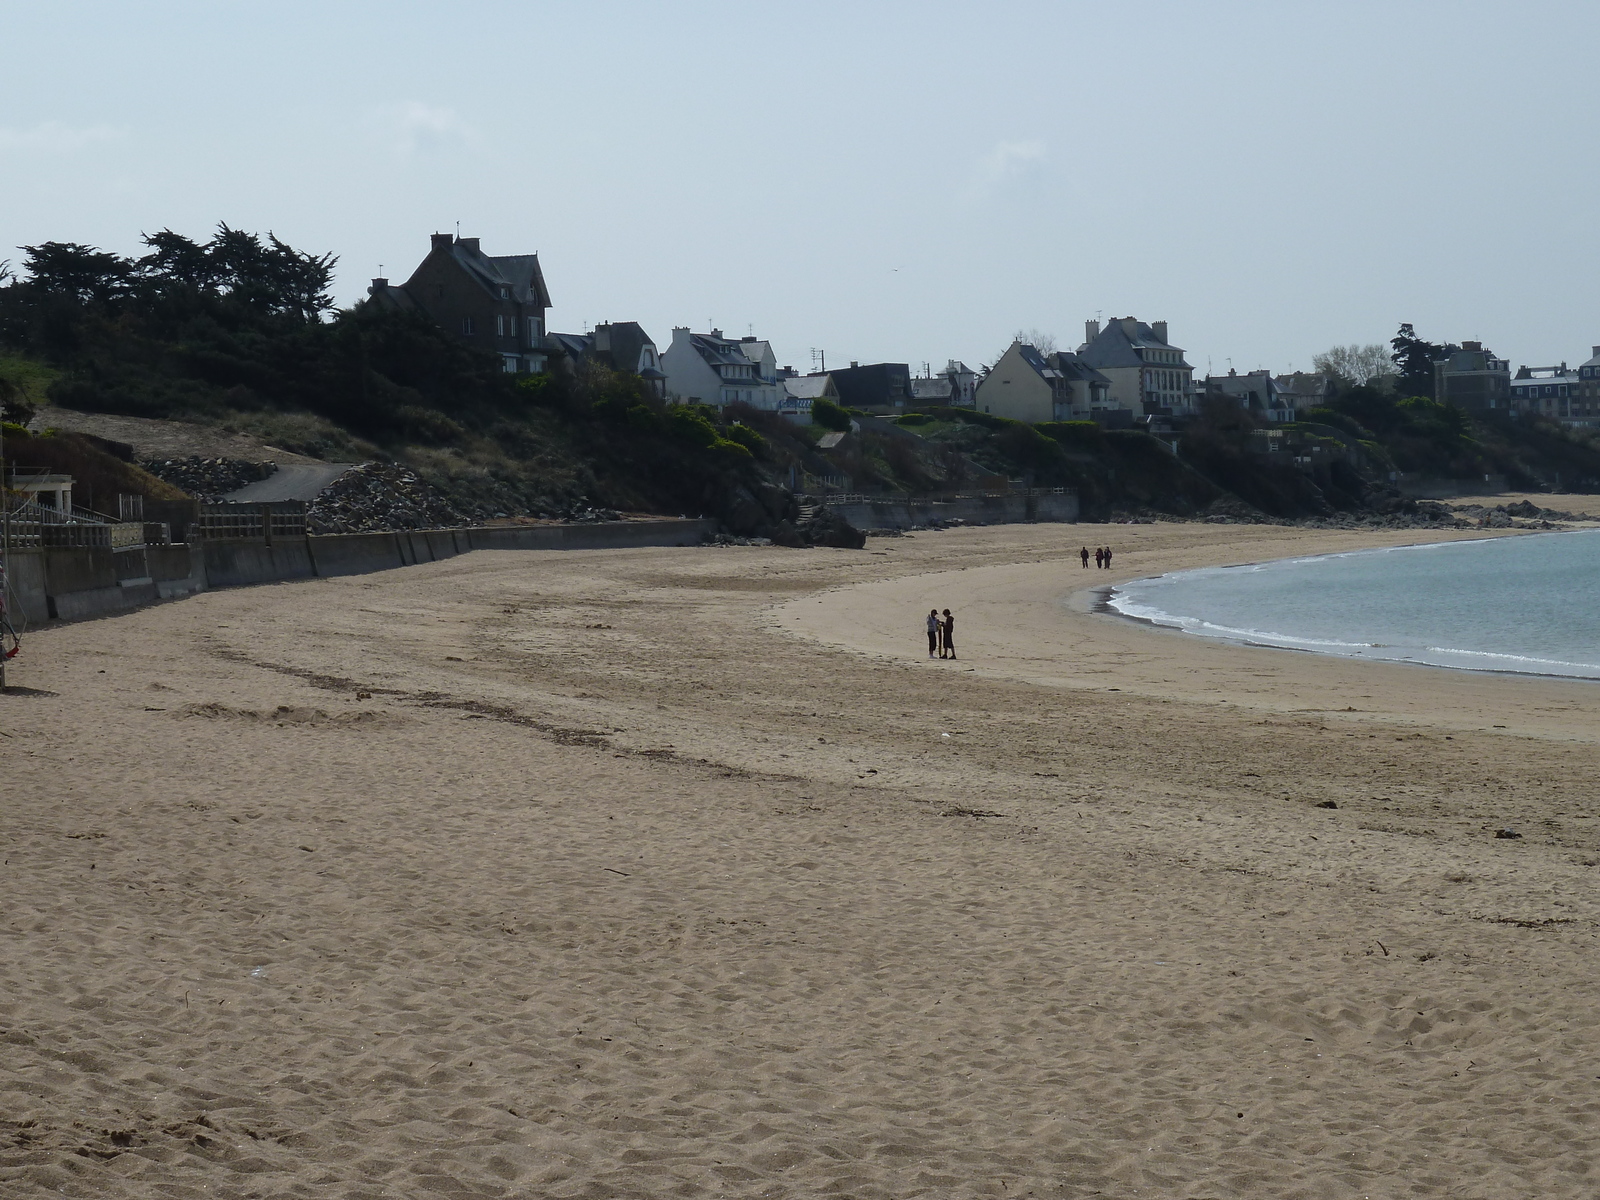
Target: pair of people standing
[941, 634]
[1102, 557]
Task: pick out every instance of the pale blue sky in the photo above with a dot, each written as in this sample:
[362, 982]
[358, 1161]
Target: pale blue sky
[887, 181]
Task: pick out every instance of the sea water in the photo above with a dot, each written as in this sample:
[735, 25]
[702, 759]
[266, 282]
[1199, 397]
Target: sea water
[1524, 604]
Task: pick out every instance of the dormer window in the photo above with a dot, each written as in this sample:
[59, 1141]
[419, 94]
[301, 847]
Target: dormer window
[505, 293]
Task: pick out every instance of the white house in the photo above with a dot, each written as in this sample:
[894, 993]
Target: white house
[707, 368]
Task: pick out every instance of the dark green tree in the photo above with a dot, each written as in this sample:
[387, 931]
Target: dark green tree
[1414, 358]
[79, 273]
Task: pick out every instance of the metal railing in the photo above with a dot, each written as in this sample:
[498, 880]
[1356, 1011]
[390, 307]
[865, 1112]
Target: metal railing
[34, 525]
[250, 522]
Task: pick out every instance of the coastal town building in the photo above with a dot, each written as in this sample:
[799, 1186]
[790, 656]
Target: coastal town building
[1589, 387]
[1254, 390]
[1471, 377]
[802, 391]
[1147, 374]
[1302, 390]
[954, 387]
[493, 302]
[619, 345]
[707, 368]
[875, 387]
[1025, 385]
[1554, 392]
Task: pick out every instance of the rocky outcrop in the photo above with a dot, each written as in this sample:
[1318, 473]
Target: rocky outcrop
[823, 527]
[378, 497]
[208, 479]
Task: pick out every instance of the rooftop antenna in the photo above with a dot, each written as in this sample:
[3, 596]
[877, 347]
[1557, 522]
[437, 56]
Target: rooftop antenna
[819, 357]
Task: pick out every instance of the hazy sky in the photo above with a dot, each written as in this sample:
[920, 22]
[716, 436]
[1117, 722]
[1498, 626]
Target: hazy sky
[885, 181]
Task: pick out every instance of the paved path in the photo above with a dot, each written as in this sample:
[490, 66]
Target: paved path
[296, 481]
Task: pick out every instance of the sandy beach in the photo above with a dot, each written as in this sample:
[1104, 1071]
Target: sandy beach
[674, 872]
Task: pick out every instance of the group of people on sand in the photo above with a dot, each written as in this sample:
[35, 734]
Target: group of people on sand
[1102, 557]
[941, 634]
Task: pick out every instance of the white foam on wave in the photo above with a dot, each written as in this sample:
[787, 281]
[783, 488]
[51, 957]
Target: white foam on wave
[1125, 601]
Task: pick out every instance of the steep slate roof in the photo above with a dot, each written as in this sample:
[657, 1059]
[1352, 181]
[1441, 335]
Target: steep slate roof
[1117, 347]
[754, 351]
[1304, 385]
[391, 293]
[575, 345]
[626, 341]
[1061, 364]
[1034, 359]
[807, 387]
[1074, 369]
[519, 272]
[718, 351]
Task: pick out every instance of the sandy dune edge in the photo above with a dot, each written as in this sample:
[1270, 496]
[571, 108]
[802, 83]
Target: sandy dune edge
[568, 875]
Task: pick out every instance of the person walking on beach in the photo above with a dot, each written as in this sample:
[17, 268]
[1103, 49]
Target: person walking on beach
[1085, 553]
[933, 631]
[1108, 558]
[1099, 557]
[948, 647]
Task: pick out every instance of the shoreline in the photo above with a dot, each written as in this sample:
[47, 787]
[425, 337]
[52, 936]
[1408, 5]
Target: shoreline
[1108, 595]
[1014, 610]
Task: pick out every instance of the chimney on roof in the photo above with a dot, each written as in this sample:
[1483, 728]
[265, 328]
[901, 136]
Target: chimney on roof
[1091, 330]
[470, 244]
[716, 333]
[441, 241]
[854, 363]
[1160, 328]
[1472, 345]
[751, 338]
[378, 284]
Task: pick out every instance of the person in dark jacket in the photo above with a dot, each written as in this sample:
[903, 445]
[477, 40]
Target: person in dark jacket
[948, 639]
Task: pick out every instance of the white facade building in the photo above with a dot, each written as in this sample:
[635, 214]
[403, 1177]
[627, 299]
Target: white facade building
[707, 368]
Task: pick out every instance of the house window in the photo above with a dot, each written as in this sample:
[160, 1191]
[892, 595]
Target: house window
[500, 326]
[467, 327]
[533, 329]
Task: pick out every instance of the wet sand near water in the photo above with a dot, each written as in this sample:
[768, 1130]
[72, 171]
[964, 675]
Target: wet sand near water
[683, 872]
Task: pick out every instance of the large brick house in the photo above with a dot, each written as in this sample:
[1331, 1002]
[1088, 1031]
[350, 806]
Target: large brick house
[496, 303]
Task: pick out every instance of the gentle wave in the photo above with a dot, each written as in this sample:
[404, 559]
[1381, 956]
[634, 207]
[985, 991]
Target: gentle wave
[1518, 604]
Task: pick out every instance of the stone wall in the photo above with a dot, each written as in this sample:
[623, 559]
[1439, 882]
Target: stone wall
[73, 584]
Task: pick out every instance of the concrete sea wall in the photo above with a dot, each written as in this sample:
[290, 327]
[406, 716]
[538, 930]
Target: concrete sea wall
[73, 584]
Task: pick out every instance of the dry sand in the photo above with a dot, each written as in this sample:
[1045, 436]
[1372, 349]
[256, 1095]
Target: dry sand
[654, 873]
